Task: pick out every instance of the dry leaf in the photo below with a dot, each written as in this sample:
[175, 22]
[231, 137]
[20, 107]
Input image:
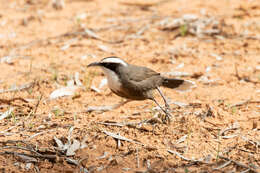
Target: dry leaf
[65, 91]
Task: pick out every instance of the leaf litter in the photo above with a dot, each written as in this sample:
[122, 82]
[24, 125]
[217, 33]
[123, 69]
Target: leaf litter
[205, 120]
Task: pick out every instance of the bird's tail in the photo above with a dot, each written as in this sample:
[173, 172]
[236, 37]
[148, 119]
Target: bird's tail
[178, 84]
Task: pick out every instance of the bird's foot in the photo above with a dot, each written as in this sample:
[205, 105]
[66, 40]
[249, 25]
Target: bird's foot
[166, 117]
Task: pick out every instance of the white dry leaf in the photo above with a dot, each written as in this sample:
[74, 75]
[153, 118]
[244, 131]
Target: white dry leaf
[99, 108]
[83, 170]
[77, 80]
[70, 134]
[84, 57]
[189, 17]
[7, 59]
[119, 137]
[218, 58]
[91, 34]
[93, 88]
[17, 164]
[103, 156]
[208, 69]
[184, 158]
[72, 161]
[181, 65]
[17, 88]
[28, 165]
[72, 148]
[59, 143]
[65, 91]
[180, 104]
[205, 80]
[229, 136]
[100, 168]
[70, 83]
[182, 139]
[6, 114]
[68, 43]
[104, 48]
[126, 169]
[82, 16]
[66, 46]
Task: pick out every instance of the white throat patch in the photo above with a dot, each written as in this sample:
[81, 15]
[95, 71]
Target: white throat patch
[112, 79]
[115, 60]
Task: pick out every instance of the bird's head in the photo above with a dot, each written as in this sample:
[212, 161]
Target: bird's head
[110, 63]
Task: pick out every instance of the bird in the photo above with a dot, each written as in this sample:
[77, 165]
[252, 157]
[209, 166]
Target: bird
[134, 82]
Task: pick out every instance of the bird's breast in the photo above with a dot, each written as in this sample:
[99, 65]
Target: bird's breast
[113, 80]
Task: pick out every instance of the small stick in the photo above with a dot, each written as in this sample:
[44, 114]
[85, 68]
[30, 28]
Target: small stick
[26, 86]
[111, 124]
[238, 164]
[8, 101]
[37, 104]
[137, 158]
[119, 137]
[223, 165]
[184, 158]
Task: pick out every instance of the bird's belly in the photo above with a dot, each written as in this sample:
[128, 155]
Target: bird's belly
[119, 89]
[124, 89]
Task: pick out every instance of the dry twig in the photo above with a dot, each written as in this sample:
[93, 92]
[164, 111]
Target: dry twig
[239, 164]
[119, 137]
[20, 88]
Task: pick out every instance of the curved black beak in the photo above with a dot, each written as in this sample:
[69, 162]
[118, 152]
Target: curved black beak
[94, 64]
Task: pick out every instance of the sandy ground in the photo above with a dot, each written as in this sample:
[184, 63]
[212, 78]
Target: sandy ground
[44, 46]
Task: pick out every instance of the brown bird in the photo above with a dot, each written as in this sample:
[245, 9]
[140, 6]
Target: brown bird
[138, 83]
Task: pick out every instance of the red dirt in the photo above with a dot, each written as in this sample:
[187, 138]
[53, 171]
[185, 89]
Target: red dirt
[32, 34]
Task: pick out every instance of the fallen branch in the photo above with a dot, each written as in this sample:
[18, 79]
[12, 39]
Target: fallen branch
[185, 158]
[20, 88]
[223, 165]
[119, 137]
[9, 101]
[239, 164]
[248, 101]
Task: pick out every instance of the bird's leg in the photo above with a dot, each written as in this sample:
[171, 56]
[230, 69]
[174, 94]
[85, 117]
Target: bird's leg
[168, 115]
[164, 99]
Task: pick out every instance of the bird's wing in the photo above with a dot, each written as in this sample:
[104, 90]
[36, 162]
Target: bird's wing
[141, 73]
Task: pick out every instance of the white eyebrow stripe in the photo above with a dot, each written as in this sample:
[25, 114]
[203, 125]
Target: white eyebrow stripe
[115, 60]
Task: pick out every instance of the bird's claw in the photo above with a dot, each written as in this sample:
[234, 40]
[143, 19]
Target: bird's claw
[166, 118]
